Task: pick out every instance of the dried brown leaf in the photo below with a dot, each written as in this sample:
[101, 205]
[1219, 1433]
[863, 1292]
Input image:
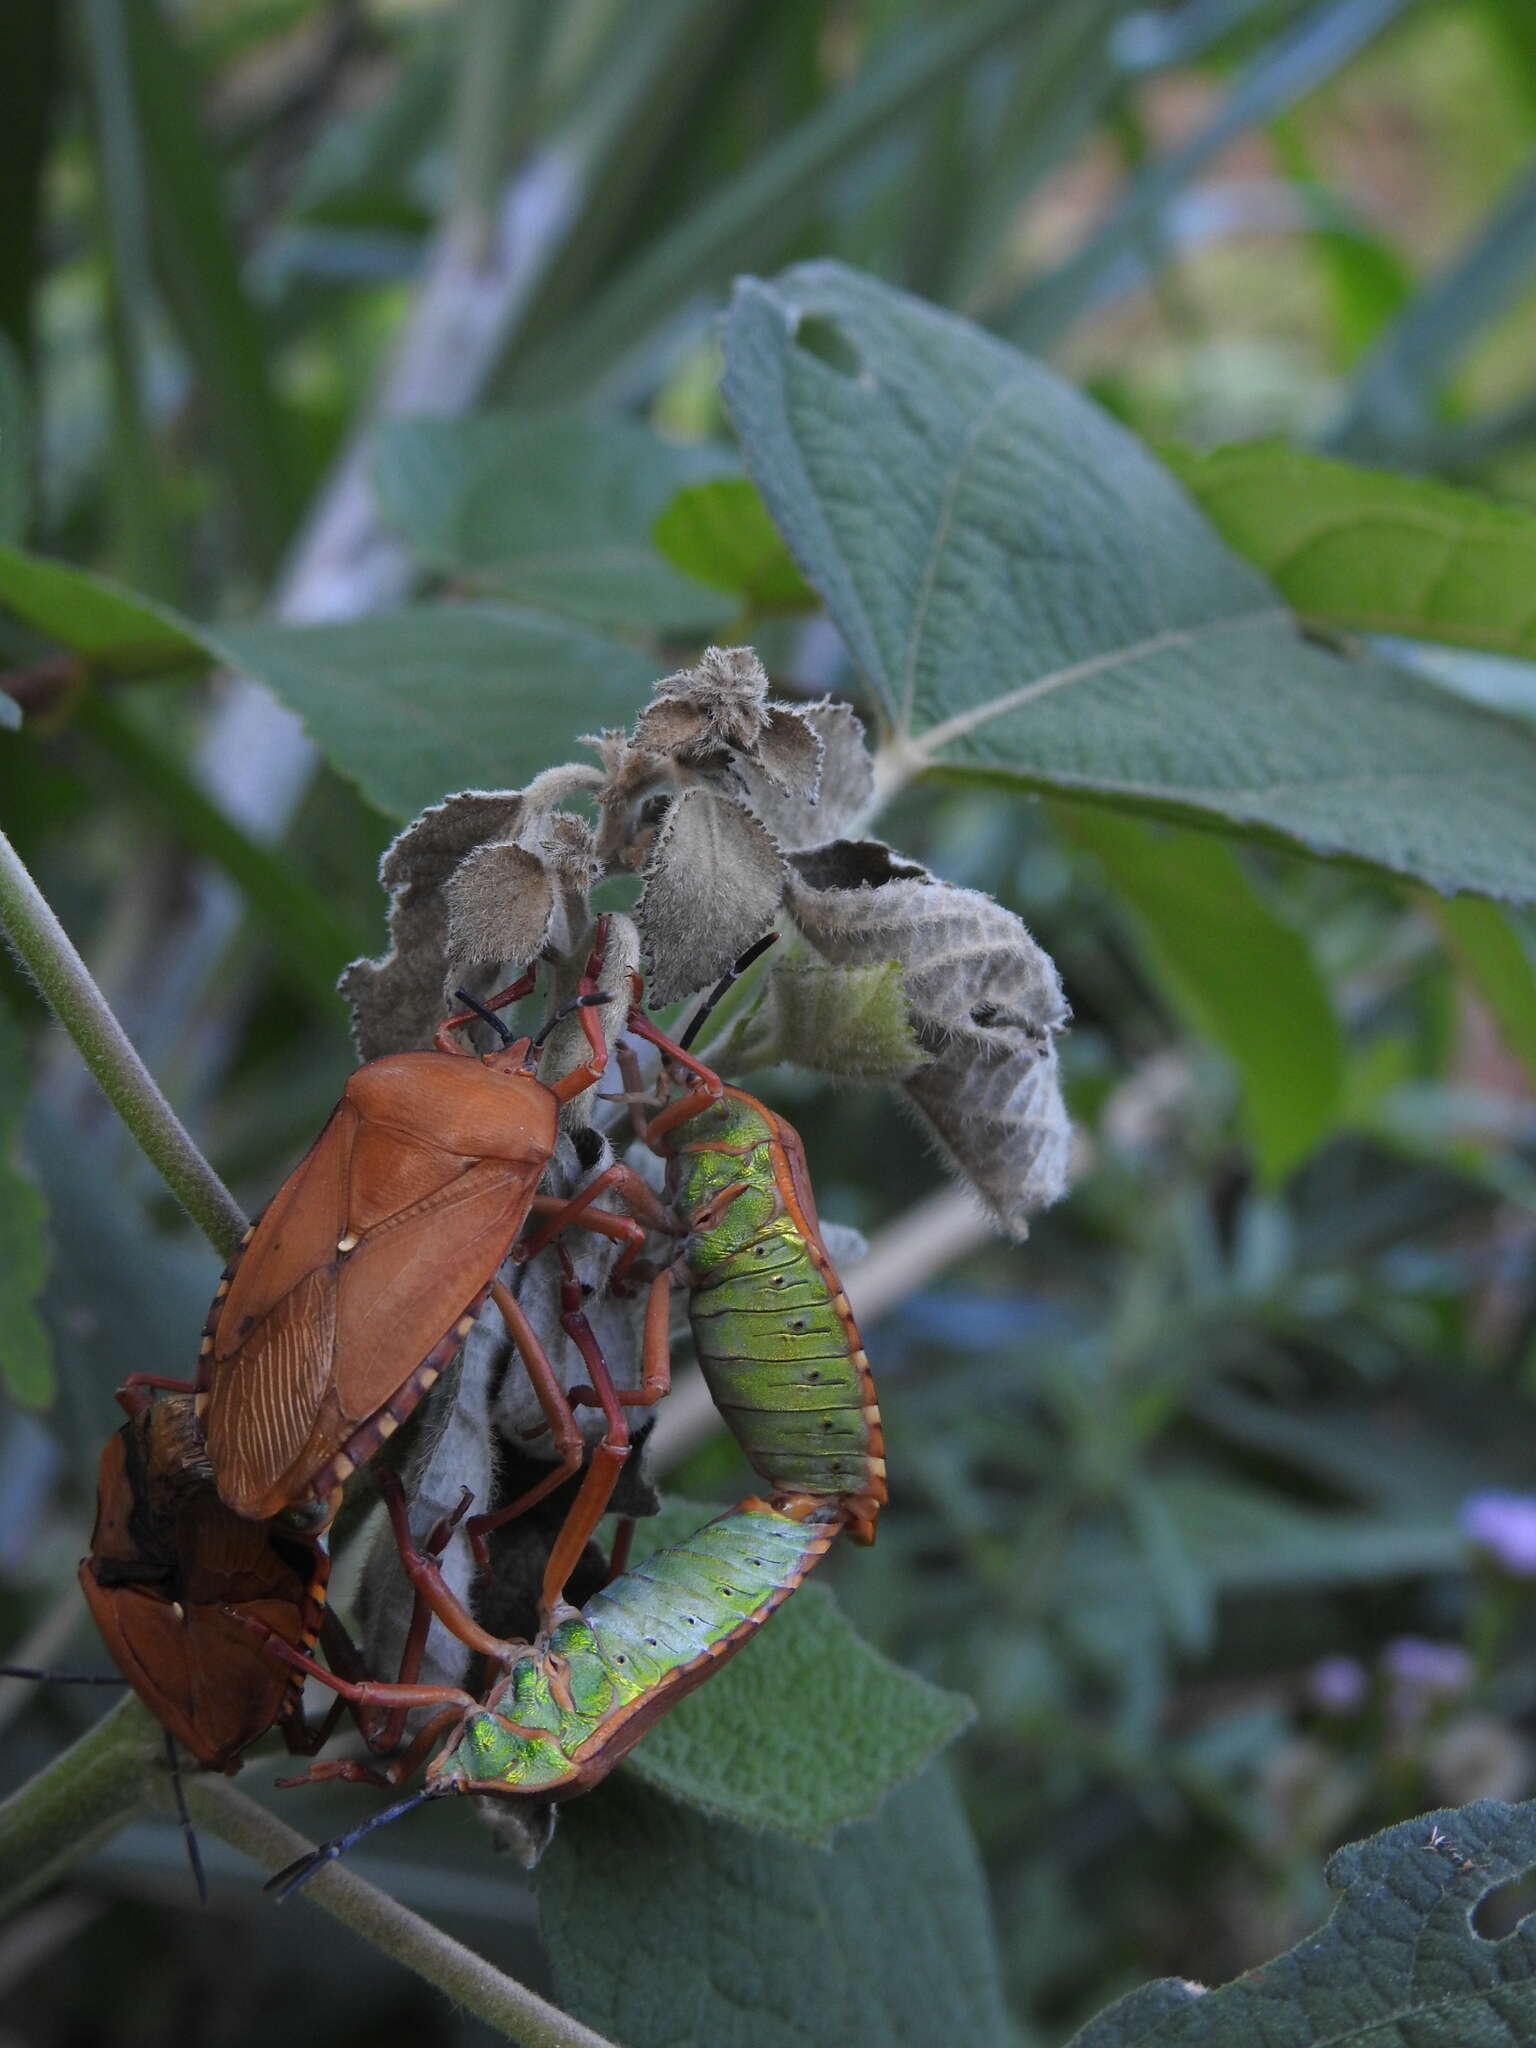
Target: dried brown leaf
[969, 967]
[397, 1000]
[500, 900]
[713, 883]
[843, 790]
[986, 1004]
[1000, 1118]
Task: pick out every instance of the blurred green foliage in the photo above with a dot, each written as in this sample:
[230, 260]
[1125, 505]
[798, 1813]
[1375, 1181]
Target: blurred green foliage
[1156, 1472]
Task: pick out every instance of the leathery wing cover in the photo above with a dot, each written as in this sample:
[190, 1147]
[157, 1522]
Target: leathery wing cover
[365, 1271]
[167, 1558]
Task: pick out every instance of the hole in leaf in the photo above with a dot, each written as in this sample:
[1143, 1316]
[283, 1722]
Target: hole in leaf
[1500, 1911]
[829, 345]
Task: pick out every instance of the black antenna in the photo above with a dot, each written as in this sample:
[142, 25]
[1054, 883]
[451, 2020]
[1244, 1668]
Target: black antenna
[567, 1010]
[194, 1854]
[695, 1022]
[486, 1016]
[290, 1879]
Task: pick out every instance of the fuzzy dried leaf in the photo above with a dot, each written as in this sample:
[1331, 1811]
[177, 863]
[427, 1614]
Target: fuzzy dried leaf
[850, 1021]
[397, 1000]
[844, 789]
[970, 968]
[452, 1448]
[728, 690]
[789, 752]
[671, 725]
[1000, 1117]
[713, 884]
[570, 854]
[500, 902]
[986, 1003]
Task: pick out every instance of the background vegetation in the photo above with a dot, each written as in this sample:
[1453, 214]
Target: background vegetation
[1179, 1485]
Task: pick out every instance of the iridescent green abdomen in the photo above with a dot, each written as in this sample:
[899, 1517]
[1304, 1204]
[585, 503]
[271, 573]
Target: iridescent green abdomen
[776, 1339]
[566, 1712]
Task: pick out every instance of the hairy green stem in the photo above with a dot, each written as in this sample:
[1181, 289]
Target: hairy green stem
[83, 1797]
[43, 947]
[468, 1979]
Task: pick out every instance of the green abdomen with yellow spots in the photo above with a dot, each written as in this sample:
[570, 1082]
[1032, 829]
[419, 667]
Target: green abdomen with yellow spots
[775, 1352]
[567, 1713]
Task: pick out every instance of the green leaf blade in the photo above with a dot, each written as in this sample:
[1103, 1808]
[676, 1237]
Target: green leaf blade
[729, 1940]
[1371, 550]
[1398, 1965]
[1036, 603]
[1238, 971]
[415, 704]
[554, 511]
[720, 533]
[805, 1729]
[106, 626]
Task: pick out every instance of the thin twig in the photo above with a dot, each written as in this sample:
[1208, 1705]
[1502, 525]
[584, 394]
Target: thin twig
[44, 948]
[903, 1257]
[468, 1979]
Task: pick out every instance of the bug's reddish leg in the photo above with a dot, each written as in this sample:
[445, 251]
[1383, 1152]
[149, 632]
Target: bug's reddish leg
[442, 1037]
[392, 1774]
[557, 1413]
[593, 1067]
[426, 1576]
[591, 1503]
[578, 1210]
[365, 1692]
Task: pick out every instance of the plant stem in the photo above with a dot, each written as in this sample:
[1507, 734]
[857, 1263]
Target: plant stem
[43, 947]
[468, 1979]
[83, 1797]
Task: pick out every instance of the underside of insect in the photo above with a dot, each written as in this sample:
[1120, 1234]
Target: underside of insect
[776, 1339]
[171, 1577]
[567, 1708]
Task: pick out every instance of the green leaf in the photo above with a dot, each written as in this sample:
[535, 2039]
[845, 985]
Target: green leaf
[720, 532]
[555, 511]
[1393, 408]
[312, 943]
[416, 704]
[108, 627]
[1240, 974]
[1488, 949]
[803, 1730]
[1398, 1965]
[15, 446]
[752, 216]
[26, 1357]
[1371, 550]
[197, 264]
[665, 1927]
[1304, 56]
[1036, 603]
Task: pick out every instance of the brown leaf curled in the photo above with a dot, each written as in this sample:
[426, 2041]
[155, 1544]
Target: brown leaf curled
[986, 1004]
[712, 885]
[500, 901]
[842, 790]
[397, 1000]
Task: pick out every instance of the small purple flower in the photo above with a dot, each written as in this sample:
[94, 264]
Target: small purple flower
[1428, 1670]
[1504, 1525]
[1337, 1685]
